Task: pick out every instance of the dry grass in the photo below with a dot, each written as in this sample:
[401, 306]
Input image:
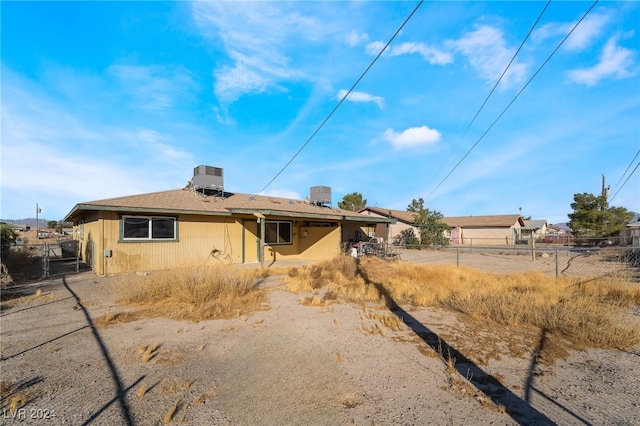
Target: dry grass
[171, 413]
[594, 313]
[339, 276]
[194, 294]
[15, 396]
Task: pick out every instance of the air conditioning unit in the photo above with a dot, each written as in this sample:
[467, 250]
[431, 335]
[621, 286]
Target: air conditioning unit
[320, 195]
[207, 177]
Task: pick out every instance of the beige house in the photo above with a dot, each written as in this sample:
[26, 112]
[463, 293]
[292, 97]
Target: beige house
[191, 228]
[402, 220]
[484, 230]
[536, 228]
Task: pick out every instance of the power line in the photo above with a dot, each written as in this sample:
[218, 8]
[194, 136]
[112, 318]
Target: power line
[625, 182]
[495, 86]
[343, 98]
[625, 172]
[513, 100]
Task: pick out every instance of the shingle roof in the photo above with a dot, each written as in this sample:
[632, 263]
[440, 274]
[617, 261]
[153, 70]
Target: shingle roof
[534, 224]
[404, 216]
[483, 221]
[190, 202]
[462, 221]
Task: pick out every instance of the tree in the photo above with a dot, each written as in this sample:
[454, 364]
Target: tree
[429, 222]
[416, 205]
[406, 237]
[592, 217]
[8, 237]
[52, 223]
[353, 202]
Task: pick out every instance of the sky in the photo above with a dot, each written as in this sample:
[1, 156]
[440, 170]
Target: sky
[108, 99]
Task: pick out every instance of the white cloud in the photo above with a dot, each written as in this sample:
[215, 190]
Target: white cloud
[583, 36]
[412, 137]
[256, 37]
[361, 97]
[430, 54]
[615, 63]
[486, 50]
[374, 47]
[355, 38]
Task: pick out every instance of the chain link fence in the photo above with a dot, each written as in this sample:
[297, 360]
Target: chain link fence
[568, 261]
[41, 259]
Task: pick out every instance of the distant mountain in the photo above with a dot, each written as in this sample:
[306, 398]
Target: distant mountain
[31, 221]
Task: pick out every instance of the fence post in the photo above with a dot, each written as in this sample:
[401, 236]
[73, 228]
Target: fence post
[45, 260]
[457, 256]
[557, 264]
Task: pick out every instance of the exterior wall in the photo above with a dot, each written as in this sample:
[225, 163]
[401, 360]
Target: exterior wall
[486, 236]
[309, 243]
[202, 241]
[396, 228]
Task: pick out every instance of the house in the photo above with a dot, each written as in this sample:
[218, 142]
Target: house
[402, 220]
[536, 229]
[484, 230]
[204, 225]
[497, 229]
[630, 235]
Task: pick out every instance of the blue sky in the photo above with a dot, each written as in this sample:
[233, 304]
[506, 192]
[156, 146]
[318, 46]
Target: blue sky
[106, 99]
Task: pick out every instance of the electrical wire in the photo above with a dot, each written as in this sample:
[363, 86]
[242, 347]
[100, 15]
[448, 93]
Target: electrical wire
[625, 172]
[343, 98]
[494, 86]
[513, 100]
[625, 182]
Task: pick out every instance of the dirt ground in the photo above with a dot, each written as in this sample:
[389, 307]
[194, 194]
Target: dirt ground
[292, 364]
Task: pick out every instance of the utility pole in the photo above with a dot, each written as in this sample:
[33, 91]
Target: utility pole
[37, 222]
[605, 189]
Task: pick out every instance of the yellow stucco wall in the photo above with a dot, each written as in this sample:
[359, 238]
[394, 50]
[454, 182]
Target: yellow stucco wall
[202, 241]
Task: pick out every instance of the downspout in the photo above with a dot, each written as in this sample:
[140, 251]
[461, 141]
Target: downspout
[260, 219]
[262, 231]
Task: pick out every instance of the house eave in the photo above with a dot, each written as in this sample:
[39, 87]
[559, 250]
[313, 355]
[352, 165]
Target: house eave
[89, 207]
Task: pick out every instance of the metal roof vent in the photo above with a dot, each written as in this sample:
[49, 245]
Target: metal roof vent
[206, 178]
[320, 196]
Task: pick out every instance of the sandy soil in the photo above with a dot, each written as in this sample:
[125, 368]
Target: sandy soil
[294, 364]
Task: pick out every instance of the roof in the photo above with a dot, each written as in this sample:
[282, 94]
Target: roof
[401, 215]
[495, 221]
[186, 201]
[534, 224]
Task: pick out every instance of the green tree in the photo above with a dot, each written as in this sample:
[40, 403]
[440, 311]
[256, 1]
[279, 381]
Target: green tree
[429, 222]
[592, 217]
[8, 237]
[353, 202]
[52, 223]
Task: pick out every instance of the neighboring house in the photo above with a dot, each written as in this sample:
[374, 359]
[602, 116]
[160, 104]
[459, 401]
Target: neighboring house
[402, 220]
[559, 234]
[631, 234]
[499, 229]
[200, 226]
[484, 230]
[534, 228]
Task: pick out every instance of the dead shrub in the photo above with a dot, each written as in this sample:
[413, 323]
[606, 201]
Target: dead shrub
[194, 294]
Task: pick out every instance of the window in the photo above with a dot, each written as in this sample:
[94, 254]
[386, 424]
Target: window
[277, 232]
[148, 228]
